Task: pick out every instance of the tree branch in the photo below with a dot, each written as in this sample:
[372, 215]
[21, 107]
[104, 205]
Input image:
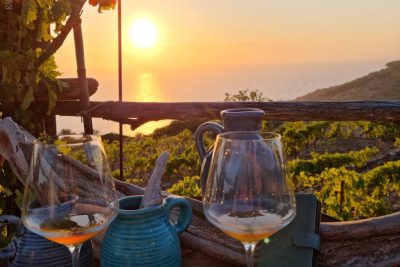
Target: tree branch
[73, 20]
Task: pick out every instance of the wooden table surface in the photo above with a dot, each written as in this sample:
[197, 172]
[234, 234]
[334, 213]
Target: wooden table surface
[193, 259]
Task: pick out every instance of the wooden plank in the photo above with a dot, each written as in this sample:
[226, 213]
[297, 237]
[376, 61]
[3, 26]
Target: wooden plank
[378, 111]
[72, 92]
[361, 229]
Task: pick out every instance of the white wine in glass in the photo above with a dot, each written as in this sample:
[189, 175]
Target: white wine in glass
[247, 195]
[69, 192]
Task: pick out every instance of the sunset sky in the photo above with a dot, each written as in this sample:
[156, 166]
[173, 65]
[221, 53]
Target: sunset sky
[191, 37]
[198, 34]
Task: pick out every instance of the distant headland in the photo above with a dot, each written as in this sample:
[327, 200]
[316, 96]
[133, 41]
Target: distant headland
[379, 85]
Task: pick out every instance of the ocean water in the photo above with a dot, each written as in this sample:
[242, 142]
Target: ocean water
[280, 83]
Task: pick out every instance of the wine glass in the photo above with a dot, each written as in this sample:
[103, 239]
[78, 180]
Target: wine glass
[69, 192]
[247, 195]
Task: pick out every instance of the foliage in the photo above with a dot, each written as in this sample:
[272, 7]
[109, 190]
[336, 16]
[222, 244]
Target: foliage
[300, 137]
[188, 186]
[347, 194]
[337, 179]
[246, 96]
[175, 127]
[141, 152]
[339, 189]
[319, 162]
[103, 4]
[24, 30]
[10, 200]
[339, 192]
[66, 132]
[10, 191]
[384, 185]
[397, 142]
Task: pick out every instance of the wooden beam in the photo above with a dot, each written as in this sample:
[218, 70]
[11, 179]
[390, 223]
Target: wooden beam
[378, 111]
[72, 92]
[361, 229]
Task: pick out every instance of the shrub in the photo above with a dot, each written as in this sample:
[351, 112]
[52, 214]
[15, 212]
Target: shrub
[188, 187]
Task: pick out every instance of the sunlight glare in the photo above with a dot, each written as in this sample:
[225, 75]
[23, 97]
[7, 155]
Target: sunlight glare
[143, 33]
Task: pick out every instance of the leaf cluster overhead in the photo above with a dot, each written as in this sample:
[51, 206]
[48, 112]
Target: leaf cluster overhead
[28, 29]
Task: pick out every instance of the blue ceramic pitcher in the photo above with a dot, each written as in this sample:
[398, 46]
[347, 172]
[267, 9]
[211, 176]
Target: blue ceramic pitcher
[30, 250]
[233, 120]
[145, 237]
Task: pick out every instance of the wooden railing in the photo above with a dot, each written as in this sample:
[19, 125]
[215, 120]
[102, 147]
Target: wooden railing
[137, 113]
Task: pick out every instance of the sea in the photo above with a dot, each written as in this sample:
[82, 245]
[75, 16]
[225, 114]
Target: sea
[278, 82]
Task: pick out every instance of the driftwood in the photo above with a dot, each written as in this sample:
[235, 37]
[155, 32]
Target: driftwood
[15, 147]
[152, 195]
[371, 242]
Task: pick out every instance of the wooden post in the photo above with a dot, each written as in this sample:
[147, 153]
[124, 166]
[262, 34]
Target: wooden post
[121, 131]
[50, 125]
[83, 85]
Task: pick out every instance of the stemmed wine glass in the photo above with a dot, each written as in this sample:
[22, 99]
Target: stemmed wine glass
[247, 194]
[69, 192]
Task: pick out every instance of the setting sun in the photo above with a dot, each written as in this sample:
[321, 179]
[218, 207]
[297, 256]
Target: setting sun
[143, 33]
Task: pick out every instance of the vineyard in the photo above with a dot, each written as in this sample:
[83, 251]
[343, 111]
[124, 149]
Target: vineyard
[352, 167]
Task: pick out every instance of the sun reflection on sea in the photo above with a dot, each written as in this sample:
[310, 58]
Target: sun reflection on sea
[148, 128]
[144, 87]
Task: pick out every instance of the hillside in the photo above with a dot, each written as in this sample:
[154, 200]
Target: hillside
[380, 85]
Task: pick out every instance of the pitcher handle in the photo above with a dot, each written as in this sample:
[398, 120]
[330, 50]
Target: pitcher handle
[198, 136]
[185, 216]
[8, 252]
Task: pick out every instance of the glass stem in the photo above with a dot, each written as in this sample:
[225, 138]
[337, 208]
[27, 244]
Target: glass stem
[249, 248]
[75, 250]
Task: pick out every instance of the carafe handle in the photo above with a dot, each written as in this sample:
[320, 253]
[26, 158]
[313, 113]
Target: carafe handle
[185, 216]
[8, 252]
[198, 136]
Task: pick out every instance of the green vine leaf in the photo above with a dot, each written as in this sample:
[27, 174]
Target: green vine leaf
[28, 99]
[60, 11]
[29, 12]
[52, 99]
[19, 196]
[43, 32]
